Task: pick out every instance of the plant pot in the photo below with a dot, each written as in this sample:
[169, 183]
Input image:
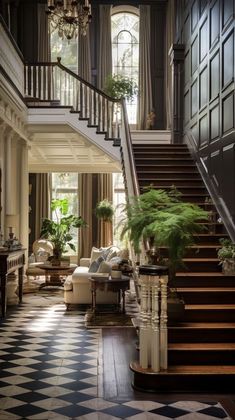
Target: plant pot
[228, 267]
[175, 309]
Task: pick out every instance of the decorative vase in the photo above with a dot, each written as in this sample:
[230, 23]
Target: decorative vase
[228, 267]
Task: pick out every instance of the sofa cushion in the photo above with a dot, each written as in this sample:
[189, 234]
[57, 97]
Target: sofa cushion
[95, 264]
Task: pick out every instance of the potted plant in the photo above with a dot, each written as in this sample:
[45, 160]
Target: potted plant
[226, 255]
[58, 232]
[118, 87]
[104, 210]
[164, 221]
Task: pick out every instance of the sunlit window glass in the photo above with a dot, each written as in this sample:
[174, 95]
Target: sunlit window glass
[65, 185]
[125, 52]
[68, 51]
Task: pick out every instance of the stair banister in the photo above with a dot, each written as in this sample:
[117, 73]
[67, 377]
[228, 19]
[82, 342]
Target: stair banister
[211, 187]
[53, 82]
[153, 332]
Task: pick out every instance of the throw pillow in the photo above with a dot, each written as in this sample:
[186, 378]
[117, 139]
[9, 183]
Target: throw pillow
[105, 267]
[95, 253]
[95, 265]
[112, 253]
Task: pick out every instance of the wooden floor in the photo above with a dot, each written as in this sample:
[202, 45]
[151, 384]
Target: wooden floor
[119, 348]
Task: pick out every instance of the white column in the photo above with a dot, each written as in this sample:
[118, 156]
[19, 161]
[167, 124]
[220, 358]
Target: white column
[163, 324]
[24, 196]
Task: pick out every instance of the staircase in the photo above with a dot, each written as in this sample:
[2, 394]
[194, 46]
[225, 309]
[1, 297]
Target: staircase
[201, 351]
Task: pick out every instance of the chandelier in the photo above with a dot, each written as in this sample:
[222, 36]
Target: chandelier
[70, 17]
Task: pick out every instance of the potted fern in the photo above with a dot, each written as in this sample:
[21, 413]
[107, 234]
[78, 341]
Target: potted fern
[58, 231]
[226, 255]
[162, 219]
[104, 210]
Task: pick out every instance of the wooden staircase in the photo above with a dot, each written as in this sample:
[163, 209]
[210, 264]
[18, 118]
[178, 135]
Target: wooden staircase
[202, 347]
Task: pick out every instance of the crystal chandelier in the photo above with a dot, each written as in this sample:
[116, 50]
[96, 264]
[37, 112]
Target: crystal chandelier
[70, 17]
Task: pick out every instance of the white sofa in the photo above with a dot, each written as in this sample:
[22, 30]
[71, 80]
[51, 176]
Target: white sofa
[77, 290]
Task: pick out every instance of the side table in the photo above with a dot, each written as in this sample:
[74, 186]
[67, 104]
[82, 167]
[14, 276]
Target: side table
[118, 285]
[53, 273]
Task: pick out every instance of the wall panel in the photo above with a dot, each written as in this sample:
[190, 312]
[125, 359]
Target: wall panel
[209, 88]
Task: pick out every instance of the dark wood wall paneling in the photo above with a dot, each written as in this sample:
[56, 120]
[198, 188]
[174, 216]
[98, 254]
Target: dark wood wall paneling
[207, 30]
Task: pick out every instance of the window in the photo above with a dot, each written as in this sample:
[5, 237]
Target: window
[68, 51]
[125, 49]
[119, 200]
[65, 185]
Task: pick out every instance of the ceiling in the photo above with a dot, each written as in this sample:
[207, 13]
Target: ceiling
[59, 148]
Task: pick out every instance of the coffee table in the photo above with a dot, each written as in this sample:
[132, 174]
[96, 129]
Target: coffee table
[55, 272]
[118, 285]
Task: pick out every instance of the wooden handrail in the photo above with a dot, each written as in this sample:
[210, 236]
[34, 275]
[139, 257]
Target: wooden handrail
[130, 149]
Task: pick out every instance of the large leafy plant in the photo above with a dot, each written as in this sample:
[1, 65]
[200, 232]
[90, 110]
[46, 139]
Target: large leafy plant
[118, 87]
[162, 218]
[58, 232]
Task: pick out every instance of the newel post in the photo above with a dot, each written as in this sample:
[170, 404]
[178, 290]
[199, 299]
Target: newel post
[176, 54]
[153, 317]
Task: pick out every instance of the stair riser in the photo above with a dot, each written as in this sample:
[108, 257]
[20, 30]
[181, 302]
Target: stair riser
[200, 357]
[162, 155]
[203, 281]
[179, 169]
[196, 253]
[213, 315]
[182, 189]
[200, 335]
[209, 239]
[184, 383]
[170, 162]
[206, 266]
[166, 175]
[195, 198]
[147, 178]
[208, 297]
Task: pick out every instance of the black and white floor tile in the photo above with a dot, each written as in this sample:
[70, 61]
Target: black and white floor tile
[49, 370]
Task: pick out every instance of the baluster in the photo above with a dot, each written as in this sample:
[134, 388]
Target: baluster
[69, 89]
[46, 83]
[78, 96]
[163, 324]
[155, 345]
[39, 82]
[26, 70]
[81, 100]
[52, 83]
[144, 323]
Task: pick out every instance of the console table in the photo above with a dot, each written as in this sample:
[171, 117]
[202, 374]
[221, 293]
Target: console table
[11, 261]
[119, 285]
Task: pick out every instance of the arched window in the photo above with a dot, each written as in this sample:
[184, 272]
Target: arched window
[125, 48]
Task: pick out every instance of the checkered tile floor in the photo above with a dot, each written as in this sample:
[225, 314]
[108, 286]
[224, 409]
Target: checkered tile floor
[49, 369]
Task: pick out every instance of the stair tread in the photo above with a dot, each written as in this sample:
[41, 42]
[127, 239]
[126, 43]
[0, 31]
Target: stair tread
[209, 307]
[203, 325]
[205, 289]
[200, 274]
[190, 369]
[201, 346]
[200, 259]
